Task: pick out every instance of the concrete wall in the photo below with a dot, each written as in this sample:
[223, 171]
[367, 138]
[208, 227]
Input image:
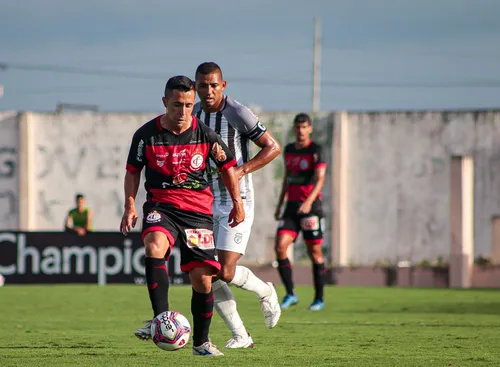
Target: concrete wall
[9, 169]
[389, 198]
[75, 153]
[399, 182]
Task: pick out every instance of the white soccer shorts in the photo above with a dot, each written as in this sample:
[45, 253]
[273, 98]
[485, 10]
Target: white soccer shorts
[232, 239]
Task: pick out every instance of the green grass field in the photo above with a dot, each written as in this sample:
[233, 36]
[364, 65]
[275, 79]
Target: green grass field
[87, 325]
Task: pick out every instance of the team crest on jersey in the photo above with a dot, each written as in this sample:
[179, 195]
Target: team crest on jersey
[303, 164]
[219, 153]
[200, 238]
[160, 163]
[153, 217]
[196, 161]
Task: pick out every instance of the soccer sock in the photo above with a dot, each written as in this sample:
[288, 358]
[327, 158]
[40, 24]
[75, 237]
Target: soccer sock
[158, 283]
[202, 306]
[285, 270]
[225, 305]
[319, 280]
[246, 279]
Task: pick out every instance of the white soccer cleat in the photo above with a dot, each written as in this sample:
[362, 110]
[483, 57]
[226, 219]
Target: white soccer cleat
[271, 307]
[144, 333]
[239, 342]
[207, 349]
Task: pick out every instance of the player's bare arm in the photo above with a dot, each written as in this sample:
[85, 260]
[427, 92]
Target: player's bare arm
[237, 214]
[319, 182]
[269, 149]
[88, 225]
[131, 186]
[282, 197]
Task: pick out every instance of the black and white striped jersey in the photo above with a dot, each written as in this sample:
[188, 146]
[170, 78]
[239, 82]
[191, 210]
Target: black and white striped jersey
[236, 124]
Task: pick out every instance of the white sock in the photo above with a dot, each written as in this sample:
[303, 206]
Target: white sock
[244, 278]
[225, 305]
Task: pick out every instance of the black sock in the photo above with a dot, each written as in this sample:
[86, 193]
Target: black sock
[158, 283]
[285, 270]
[319, 280]
[202, 307]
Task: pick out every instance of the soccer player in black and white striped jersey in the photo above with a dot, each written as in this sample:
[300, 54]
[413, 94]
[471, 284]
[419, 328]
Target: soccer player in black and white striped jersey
[237, 126]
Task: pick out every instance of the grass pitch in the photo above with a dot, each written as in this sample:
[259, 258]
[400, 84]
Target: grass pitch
[88, 325]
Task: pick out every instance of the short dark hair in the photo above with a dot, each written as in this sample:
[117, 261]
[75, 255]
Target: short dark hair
[302, 117]
[179, 82]
[208, 67]
[79, 196]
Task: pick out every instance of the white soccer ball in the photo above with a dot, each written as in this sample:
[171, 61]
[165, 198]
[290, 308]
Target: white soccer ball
[170, 330]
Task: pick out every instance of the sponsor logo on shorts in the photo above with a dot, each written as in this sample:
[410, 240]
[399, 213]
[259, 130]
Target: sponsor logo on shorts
[238, 237]
[200, 238]
[310, 223]
[153, 217]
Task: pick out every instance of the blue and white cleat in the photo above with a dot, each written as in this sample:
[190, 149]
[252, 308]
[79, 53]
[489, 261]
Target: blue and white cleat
[289, 301]
[317, 305]
[207, 349]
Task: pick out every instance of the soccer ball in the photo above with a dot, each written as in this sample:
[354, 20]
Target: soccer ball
[170, 330]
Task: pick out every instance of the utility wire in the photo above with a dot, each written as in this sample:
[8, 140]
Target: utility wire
[5, 66]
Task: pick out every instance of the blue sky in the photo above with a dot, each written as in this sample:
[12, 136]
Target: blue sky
[376, 54]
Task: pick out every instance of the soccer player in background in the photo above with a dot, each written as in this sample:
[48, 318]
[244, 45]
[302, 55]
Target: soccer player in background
[79, 219]
[174, 148]
[237, 126]
[305, 170]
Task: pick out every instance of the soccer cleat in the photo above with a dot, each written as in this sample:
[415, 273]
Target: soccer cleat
[207, 349]
[238, 342]
[270, 307]
[317, 305]
[289, 300]
[144, 333]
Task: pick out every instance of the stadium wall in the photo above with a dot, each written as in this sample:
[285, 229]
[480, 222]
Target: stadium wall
[388, 198]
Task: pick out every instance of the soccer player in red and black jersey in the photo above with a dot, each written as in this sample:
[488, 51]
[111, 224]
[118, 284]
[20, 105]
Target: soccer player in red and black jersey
[175, 148]
[304, 179]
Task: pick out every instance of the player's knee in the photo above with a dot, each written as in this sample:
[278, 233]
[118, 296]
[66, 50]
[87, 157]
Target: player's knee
[226, 274]
[155, 249]
[281, 249]
[156, 244]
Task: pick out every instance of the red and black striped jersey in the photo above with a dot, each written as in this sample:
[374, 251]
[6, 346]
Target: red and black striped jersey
[300, 165]
[176, 164]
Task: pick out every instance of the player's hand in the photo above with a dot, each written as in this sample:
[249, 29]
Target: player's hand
[239, 172]
[237, 214]
[277, 213]
[80, 231]
[129, 220]
[305, 208]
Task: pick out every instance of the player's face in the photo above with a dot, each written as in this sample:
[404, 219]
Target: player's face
[302, 131]
[179, 106]
[210, 89]
[80, 203]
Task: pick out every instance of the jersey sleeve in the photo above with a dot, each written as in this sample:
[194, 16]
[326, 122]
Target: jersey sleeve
[319, 157]
[241, 118]
[136, 155]
[219, 152]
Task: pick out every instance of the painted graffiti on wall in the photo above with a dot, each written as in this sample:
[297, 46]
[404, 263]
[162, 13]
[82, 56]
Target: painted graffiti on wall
[8, 172]
[84, 155]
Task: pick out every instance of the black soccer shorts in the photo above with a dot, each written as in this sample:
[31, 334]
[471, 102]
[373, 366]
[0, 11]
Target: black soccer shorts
[311, 224]
[191, 232]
